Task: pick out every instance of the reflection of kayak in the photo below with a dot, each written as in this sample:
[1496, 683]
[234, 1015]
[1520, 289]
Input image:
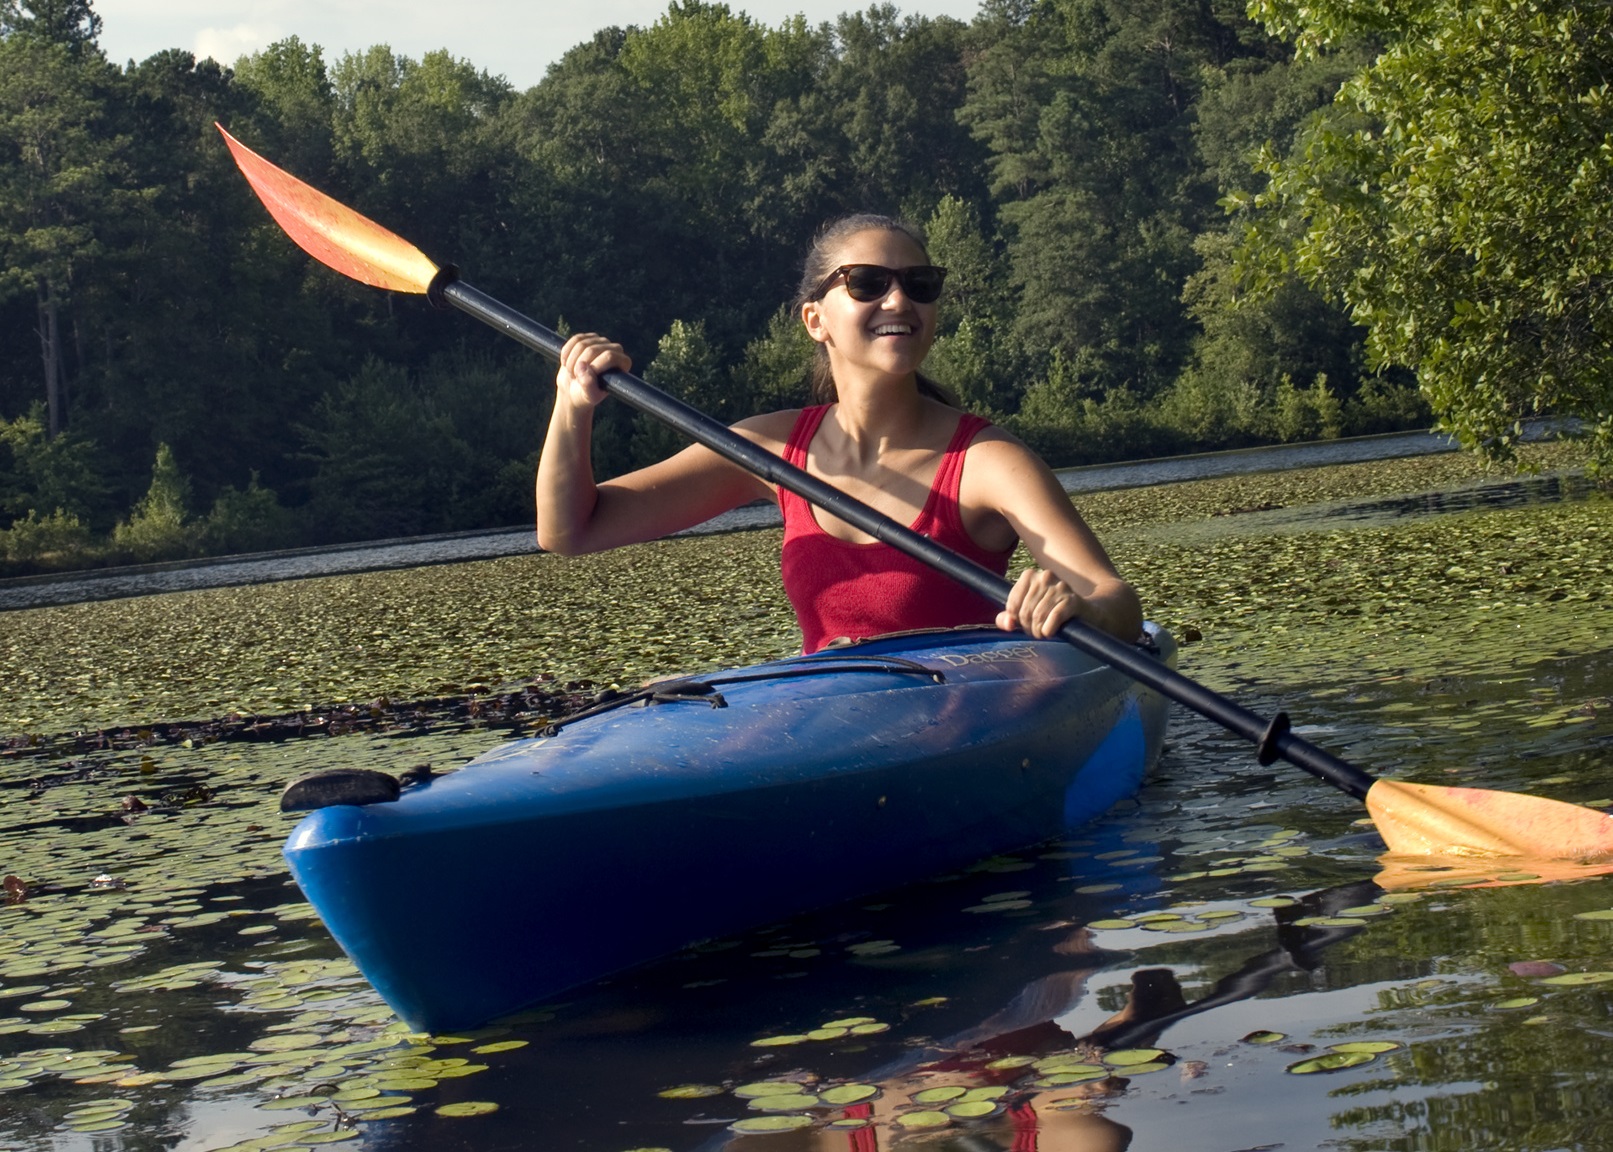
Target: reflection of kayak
[707, 805]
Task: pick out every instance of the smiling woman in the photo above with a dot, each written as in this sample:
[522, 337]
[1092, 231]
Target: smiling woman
[882, 433]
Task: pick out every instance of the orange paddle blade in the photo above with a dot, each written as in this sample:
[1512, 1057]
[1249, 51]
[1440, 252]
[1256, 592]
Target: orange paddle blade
[1423, 820]
[331, 232]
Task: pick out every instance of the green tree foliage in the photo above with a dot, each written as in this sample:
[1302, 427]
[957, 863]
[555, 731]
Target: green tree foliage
[73, 24]
[1088, 109]
[58, 176]
[1457, 197]
[247, 520]
[688, 367]
[396, 453]
[42, 475]
[157, 529]
[661, 185]
[777, 365]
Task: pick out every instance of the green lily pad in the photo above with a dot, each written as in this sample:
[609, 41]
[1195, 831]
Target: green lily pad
[779, 1041]
[1264, 1037]
[1331, 1062]
[842, 1094]
[1515, 1003]
[391, 1113]
[1599, 914]
[1128, 1057]
[759, 1125]
[1374, 1047]
[1574, 979]
[767, 1088]
[1066, 1079]
[467, 1108]
[939, 1094]
[971, 1109]
[922, 1121]
[1011, 1062]
[784, 1102]
[690, 1091]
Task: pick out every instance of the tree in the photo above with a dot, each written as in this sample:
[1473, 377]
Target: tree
[1088, 108]
[1458, 197]
[157, 527]
[71, 23]
[686, 366]
[41, 474]
[57, 176]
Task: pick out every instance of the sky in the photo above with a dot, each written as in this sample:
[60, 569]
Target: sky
[517, 39]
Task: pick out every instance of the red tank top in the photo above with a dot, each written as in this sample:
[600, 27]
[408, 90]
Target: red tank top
[839, 588]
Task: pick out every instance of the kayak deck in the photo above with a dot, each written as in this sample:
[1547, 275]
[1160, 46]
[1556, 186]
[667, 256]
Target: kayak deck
[729, 801]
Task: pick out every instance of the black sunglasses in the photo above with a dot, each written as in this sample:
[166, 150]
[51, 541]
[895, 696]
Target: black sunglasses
[868, 282]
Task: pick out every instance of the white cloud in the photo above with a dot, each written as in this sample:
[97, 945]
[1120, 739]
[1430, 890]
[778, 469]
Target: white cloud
[226, 45]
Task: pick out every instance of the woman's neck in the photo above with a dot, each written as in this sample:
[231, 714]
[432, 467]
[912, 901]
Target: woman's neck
[893, 416]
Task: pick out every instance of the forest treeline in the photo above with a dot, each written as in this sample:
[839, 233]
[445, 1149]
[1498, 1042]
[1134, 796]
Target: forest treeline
[176, 377]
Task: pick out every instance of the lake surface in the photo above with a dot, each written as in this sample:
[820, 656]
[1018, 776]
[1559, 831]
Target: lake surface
[162, 985]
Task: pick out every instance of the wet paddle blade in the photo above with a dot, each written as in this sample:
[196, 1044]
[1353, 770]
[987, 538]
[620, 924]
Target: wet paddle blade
[1423, 820]
[331, 232]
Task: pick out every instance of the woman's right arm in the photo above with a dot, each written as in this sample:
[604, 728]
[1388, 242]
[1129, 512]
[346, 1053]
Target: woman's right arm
[575, 515]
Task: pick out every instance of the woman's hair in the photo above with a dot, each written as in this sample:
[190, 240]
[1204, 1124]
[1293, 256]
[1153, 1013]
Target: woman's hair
[821, 261]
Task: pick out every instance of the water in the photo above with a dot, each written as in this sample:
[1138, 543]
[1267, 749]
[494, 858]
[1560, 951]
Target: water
[1453, 640]
[145, 580]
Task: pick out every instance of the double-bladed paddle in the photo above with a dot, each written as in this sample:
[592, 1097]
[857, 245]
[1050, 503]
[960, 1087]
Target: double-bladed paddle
[1414, 819]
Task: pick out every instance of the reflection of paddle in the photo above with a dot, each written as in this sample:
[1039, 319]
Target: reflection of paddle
[1152, 1008]
[1412, 818]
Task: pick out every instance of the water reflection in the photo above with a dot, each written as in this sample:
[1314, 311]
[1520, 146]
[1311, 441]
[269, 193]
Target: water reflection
[1048, 1083]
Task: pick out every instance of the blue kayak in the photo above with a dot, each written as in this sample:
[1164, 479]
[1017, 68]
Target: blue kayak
[707, 805]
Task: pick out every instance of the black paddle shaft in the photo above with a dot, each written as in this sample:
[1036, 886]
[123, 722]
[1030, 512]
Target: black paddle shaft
[1272, 736]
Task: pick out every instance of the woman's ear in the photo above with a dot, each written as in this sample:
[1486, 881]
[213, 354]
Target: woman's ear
[812, 319]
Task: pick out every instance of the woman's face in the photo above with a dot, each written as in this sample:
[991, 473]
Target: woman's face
[891, 335]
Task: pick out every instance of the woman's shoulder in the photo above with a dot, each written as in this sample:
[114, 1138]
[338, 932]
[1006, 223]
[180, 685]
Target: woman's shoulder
[770, 428]
[995, 451]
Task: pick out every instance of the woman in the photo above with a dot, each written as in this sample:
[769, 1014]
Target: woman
[884, 435]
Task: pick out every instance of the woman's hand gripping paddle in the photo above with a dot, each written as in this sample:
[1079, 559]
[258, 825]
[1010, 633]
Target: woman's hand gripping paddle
[1415, 820]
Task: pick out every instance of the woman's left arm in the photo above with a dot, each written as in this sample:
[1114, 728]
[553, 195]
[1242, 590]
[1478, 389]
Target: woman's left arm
[1074, 577]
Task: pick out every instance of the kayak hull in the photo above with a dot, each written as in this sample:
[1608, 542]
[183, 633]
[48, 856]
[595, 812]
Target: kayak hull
[558, 859]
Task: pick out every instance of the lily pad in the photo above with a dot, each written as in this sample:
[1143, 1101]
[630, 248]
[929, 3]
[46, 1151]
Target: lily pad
[760, 1125]
[843, 1094]
[1574, 979]
[922, 1121]
[467, 1108]
[784, 1102]
[1330, 1062]
[1129, 1057]
[762, 1088]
